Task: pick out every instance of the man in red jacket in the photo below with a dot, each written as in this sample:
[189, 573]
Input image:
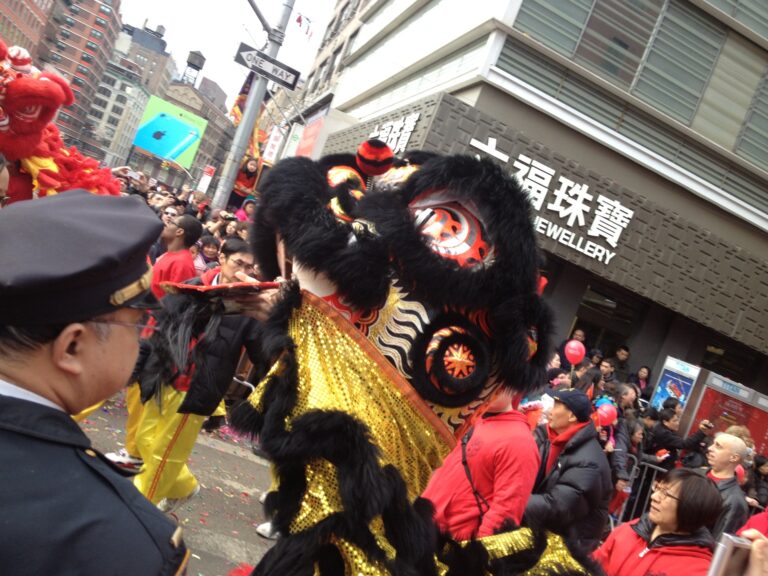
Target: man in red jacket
[177, 264]
[488, 477]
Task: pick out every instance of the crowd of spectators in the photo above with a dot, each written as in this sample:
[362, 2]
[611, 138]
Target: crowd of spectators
[595, 431]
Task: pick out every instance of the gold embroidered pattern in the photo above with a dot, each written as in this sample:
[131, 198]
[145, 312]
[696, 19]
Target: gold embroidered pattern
[556, 559]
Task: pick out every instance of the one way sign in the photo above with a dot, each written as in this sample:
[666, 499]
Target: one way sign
[268, 67]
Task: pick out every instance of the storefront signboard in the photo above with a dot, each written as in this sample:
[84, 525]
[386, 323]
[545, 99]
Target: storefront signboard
[396, 133]
[567, 212]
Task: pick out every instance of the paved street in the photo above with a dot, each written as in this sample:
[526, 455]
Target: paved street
[220, 524]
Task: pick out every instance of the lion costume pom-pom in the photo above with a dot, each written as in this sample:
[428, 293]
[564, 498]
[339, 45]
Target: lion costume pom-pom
[40, 163]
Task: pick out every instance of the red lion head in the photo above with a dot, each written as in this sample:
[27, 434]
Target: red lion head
[29, 100]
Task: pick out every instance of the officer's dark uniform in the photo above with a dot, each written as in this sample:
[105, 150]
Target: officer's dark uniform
[64, 509]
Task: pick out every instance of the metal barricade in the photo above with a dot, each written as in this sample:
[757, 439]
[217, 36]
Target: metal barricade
[646, 475]
[618, 517]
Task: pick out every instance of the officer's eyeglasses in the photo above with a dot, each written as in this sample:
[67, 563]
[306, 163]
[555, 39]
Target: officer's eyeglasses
[663, 492]
[4, 200]
[138, 327]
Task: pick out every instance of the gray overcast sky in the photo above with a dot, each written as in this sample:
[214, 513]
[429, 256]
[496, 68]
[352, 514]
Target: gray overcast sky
[216, 29]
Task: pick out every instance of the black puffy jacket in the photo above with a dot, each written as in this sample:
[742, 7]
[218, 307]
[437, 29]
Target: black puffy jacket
[664, 438]
[572, 499]
[215, 362]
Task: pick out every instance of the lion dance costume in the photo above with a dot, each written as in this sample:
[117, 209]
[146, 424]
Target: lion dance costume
[415, 298]
[39, 163]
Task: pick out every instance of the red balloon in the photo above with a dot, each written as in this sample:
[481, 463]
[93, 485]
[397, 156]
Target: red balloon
[607, 414]
[574, 351]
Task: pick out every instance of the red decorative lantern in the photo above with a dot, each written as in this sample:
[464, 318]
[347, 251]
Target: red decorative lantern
[574, 352]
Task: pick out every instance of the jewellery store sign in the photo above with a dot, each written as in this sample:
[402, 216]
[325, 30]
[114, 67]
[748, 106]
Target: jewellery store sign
[566, 210]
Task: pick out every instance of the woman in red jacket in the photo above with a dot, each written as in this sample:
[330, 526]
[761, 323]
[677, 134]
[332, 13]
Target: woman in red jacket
[672, 538]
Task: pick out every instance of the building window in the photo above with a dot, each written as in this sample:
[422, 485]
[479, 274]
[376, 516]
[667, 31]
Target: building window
[55, 57]
[77, 81]
[69, 21]
[60, 45]
[674, 76]
[113, 121]
[105, 9]
[752, 14]
[616, 36]
[556, 24]
[321, 75]
[104, 91]
[334, 67]
[643, 46]
[74, 9]
[120, 99]
[96, 114]
[91, 46]
[101, 21]
[109, 81]
[753, 143]
[86, 57]
[64, 33]
[350, 43]
[117, 109]
[96, 34]
[83, 70]
[100, 102]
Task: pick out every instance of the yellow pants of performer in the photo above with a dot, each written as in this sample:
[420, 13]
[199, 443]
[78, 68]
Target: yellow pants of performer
[165, 439]
[221, 409]
[135, 411]
[85, 413]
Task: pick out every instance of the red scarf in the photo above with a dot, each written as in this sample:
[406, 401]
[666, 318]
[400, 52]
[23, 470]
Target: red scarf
[558, 441]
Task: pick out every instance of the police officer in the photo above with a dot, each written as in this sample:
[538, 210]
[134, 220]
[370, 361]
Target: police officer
[73, 285]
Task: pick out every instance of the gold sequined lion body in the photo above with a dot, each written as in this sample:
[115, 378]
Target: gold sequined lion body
[415, 298]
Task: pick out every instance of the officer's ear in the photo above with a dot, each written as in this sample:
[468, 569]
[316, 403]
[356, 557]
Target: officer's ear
[67, 349]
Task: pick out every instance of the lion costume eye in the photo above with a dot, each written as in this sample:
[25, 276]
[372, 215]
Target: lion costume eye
[29, 113]
[454, 231]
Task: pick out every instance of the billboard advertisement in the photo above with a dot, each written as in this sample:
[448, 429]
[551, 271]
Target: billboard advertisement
[676, 381]
[170, 132]
[723, 409]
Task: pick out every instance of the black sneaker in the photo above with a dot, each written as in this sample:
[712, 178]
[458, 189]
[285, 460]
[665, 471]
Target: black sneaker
[213, 423]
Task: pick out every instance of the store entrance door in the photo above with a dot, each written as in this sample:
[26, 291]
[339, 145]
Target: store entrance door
[609, 316]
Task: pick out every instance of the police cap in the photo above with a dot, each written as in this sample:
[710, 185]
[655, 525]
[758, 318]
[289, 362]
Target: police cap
[74, 256]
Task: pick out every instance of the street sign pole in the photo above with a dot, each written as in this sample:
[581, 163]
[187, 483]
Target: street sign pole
[251, 113]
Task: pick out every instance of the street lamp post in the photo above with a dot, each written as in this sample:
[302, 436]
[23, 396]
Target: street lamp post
[275, 38]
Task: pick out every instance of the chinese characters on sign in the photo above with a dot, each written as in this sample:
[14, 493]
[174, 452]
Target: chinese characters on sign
[396, 133]
[589, 221]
